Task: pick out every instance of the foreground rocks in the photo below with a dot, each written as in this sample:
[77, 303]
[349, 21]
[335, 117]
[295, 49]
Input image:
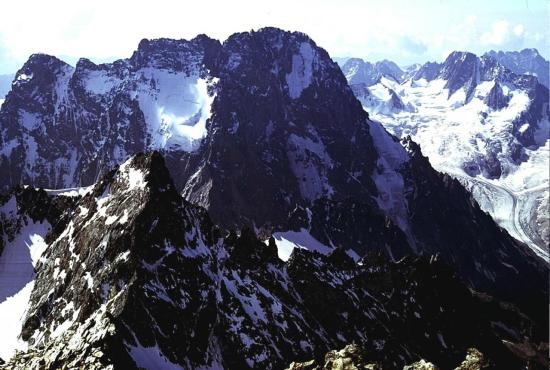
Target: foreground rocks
[351, 358]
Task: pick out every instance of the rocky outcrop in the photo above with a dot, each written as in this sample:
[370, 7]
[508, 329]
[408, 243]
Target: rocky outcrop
[348, 358]
[351, 358]
[421, 365]
[496, 98]
[474, 360]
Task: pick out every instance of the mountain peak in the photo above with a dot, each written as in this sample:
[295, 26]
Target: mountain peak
[142, 171]
[42, 67]
[41, 59]
[460, 70]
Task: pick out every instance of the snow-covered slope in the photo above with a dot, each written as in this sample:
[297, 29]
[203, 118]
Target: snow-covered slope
[483, 124]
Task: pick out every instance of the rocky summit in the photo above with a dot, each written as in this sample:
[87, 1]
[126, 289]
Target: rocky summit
[134, 276]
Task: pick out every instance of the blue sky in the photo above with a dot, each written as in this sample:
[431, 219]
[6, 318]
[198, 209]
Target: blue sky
[403, 31]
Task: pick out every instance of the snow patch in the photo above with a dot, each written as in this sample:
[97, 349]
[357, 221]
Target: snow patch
[288, 240]
[389, 181]
[24, 77]
[309, 161]
[134, 176]
[301, 74]
[70, 192]
[100, 82]
[12, 312]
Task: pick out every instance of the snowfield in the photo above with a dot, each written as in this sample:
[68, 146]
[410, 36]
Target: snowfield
[177, 110]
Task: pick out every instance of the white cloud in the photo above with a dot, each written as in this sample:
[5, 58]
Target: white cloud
[497, 35]
[393, 29]
[519, 30]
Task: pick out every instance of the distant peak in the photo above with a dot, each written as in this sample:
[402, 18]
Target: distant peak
[355, 60]
[457, 56]
[530, 51]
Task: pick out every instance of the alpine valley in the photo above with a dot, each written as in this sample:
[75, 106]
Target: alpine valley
[207, 205]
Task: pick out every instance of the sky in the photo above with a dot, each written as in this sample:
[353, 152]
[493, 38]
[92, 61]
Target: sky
[404, 31]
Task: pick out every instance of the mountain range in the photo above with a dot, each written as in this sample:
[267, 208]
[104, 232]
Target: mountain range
[479, 120]
[270, 220]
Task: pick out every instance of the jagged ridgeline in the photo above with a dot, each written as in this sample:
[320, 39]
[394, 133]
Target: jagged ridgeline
[259, 133]
[134, 276]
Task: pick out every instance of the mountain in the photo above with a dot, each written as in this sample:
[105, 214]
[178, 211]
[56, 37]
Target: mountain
[428, 71]
[130, 275]
[371, 83]
[526, 61]
[410, 70]
[381, 98]
[359, 71]
[264, 132]
[483, 124]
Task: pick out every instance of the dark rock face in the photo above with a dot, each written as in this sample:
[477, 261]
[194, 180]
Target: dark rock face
[470, 250]
[139, 277]
[293, 144]
[428, 71]
[496, 98]
[460, 70]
